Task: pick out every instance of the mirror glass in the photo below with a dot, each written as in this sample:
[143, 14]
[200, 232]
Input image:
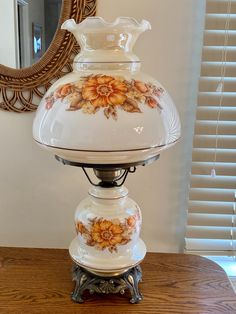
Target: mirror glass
[35, 24]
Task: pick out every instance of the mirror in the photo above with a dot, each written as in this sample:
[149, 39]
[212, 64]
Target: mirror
[36, 24]
[41, 52]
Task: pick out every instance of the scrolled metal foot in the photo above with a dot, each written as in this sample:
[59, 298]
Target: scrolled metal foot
[132, 279]
[84, 280]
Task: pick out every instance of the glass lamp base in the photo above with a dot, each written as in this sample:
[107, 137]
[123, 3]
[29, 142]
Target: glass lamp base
[85, 280]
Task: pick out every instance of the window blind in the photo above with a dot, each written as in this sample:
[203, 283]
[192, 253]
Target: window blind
[211, 215]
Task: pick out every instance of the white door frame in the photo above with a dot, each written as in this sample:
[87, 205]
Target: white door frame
[24, 45]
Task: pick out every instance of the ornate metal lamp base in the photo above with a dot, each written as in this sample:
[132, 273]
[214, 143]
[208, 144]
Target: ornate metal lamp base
[84, 280]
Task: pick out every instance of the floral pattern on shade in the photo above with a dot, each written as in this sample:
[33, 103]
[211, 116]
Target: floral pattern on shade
[107, 234]
[108, 93]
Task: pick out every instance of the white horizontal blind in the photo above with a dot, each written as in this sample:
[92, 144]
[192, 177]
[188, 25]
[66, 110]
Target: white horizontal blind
[212, 207]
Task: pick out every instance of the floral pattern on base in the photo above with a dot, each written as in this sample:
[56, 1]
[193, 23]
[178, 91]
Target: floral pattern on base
[94, 92]
[107, 234]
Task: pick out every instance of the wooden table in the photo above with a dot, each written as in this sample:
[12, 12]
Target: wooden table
[39, 281]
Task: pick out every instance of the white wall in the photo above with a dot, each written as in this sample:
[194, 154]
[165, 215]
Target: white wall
[38, 195]
[8, 49]
[9, 28]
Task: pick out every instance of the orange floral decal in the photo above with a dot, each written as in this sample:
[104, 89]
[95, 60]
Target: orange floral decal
[110, 93]
[107, 234]
[104, 90]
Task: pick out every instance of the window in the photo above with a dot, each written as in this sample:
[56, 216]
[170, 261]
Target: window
[212, 199]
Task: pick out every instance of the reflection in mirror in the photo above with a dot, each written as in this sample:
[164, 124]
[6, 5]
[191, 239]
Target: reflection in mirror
[21, 89]
[36, 24]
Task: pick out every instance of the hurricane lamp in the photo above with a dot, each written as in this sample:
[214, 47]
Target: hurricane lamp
[109, 116]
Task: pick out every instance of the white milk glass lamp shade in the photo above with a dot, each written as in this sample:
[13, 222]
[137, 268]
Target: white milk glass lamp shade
[106, 111]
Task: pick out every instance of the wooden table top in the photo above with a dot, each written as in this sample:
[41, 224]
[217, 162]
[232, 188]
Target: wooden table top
[39, 281]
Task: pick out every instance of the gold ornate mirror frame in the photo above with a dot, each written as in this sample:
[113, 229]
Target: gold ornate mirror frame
[21, 89]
